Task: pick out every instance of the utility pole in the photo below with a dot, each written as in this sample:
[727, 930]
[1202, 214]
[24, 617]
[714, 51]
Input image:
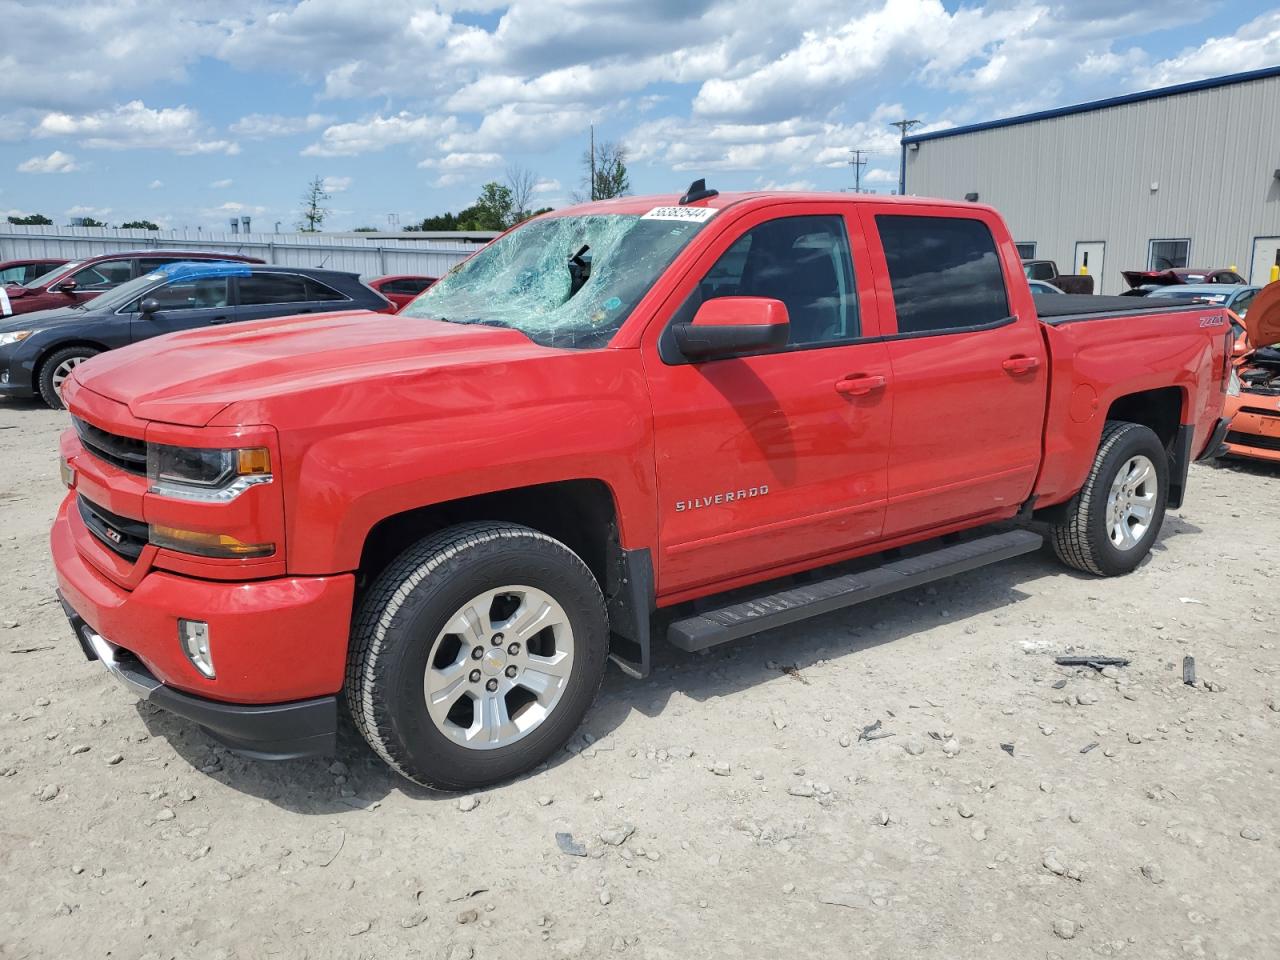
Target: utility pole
[904, 127]
[593, 161]
[857, 160]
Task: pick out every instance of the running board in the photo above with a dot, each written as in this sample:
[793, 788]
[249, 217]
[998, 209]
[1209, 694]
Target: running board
[712, 627]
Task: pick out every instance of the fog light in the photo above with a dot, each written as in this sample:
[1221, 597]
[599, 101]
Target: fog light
[194, 636]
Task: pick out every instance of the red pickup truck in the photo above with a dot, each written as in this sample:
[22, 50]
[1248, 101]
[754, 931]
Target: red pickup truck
[698, 416]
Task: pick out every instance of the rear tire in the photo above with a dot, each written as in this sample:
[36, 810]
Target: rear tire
[447, 677]
[1112, 522]
[55, 369]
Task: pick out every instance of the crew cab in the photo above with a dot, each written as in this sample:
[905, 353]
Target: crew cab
[692, 417]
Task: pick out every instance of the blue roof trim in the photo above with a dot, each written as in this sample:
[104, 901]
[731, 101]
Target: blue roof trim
[1209, 84]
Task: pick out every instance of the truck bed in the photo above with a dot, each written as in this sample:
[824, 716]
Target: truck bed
[1070, 307]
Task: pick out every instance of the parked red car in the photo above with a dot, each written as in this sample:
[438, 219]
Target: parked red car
[82, 280]
[21, 272]
[401, 289]
[647, 417]
[1141, 282]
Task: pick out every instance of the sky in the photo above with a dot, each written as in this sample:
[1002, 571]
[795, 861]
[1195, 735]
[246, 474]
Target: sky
[187, 113]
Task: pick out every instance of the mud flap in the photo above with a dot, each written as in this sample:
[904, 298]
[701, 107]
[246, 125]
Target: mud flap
[630, 603]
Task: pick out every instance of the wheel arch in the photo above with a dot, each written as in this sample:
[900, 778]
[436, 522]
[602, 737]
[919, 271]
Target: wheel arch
[581, 513]
[45, 353]
[1162, 411]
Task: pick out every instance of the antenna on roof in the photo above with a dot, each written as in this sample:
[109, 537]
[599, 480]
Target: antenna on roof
[698, 191]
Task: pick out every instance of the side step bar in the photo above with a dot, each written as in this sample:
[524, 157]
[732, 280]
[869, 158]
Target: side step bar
[712, 627]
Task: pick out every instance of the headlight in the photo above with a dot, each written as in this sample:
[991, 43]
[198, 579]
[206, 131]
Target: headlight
[14, 336]
[195, 473]
[1233, 384]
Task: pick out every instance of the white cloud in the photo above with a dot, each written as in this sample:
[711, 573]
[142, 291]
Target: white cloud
[56, 162]
[135, 126]
[377, 133]
[220, 184]
[462, 161]
[336, 184]
[155, 184]
[881, 175]
[547, 186]
[234, 206]
[82, 210]
[1253, 46]
[262, 126]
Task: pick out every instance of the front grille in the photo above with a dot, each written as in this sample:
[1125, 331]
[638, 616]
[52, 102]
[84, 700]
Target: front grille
[1260, 411]
[125, 453]
[1253, 440]
[118, 534]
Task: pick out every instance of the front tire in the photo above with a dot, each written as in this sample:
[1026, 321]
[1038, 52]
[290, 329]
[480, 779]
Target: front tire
[1112, 522]
[475, 655]
[56, 368]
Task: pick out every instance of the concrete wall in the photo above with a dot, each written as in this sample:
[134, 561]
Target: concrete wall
[370, 258]
[1197, 165]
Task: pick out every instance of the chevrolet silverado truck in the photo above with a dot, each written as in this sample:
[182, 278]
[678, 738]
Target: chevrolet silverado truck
[693, 417]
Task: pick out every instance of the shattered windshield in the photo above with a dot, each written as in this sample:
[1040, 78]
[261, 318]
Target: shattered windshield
[561, 281]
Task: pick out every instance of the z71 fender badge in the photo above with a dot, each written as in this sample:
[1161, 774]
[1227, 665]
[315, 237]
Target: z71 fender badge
[1215, 321]
[729, 496]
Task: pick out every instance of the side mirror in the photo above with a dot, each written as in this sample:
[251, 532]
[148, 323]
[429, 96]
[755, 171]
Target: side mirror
[66, 286]
[729, 326]
[149, 306]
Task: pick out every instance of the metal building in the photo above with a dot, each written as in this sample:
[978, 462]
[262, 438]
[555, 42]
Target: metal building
[1187, 175]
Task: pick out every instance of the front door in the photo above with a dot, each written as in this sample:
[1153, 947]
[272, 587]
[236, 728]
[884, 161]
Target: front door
[1266, 255]
[184, 305]
[778, 457]
[1090, 255]
[969, 376]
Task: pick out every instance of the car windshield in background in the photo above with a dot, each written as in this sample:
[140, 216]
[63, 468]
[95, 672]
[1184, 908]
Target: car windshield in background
[1173, 293]
[561, 281]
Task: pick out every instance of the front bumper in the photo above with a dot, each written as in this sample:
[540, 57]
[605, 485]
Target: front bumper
[278, 731]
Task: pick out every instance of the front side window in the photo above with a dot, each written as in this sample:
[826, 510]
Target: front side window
[199, 294]
[13, 275]
[1241, 304]
[802, 261]
[1168, 254]
[563, 281]
[264, 288]
[103, 276]
[944, 272]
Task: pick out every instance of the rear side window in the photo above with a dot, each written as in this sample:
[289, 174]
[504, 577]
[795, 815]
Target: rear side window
[262, 288]
[944, 272]
[318, 291]
[407, 287]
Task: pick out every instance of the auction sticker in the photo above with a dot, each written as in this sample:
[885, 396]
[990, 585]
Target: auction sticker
[5, 308]
[687, 214]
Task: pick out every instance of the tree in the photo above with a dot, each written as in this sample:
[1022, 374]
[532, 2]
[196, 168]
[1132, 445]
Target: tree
[365, 230]
[520, 181]
[607, 177]
[492, 210]
[32, 220]
[314, 211]
[139, 225]
[90, 222]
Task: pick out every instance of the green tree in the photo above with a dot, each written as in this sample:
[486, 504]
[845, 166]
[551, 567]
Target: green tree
[494, 209]
[607, 177]
[365, 230]
[139, 225]
[32, 220]
[314, 211]
[90, 222]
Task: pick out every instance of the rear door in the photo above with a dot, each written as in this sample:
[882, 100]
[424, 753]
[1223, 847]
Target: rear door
[969, 375]
[262, 295]
[1090, 259]
[184, 305]
[769, 459]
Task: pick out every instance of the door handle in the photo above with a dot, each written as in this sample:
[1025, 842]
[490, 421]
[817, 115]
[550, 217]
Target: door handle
[1017, 365]
[859, 386]
[219, 320]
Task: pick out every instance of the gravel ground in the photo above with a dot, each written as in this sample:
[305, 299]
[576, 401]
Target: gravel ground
[731, 806]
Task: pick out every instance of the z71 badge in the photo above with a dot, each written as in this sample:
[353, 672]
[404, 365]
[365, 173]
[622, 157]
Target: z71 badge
[1217, 321]
[729, 496]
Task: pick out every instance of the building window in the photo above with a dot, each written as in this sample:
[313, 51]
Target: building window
[1026, 251]
[1168, 254]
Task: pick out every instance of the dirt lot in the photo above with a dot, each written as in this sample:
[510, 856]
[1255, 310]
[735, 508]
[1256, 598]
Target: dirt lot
[728, 807]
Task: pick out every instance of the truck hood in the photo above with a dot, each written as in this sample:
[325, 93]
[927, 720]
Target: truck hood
[1263, 319]
[189, 378]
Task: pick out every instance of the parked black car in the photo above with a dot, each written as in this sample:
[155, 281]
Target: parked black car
[38, 350]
